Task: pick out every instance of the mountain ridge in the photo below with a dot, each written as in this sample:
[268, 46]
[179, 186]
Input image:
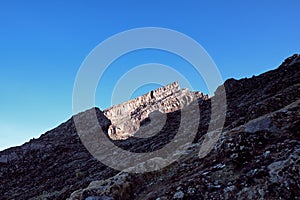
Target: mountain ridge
[262, 108]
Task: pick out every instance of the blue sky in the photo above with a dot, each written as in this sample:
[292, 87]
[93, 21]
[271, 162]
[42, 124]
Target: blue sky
[43, 44]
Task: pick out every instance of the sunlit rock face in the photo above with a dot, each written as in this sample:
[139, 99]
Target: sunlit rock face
[126, 117]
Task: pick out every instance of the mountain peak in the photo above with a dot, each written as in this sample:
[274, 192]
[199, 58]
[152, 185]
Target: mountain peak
[294, 59]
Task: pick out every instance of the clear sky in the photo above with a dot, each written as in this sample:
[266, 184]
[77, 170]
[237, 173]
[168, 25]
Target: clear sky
[43, 44]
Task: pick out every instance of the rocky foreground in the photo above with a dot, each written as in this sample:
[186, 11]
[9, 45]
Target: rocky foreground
[256, 156]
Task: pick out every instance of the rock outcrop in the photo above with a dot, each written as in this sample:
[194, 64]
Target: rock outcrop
[126, 117]
[256, 157]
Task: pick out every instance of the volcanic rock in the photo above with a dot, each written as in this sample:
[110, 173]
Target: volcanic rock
[256, 155]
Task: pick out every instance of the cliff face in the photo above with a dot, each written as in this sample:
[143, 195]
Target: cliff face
[256, 157]
[126, 117]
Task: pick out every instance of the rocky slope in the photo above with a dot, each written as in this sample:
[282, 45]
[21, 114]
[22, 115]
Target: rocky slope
[256, 157]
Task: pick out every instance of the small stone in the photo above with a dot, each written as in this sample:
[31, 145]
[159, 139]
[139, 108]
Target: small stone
[178, 195]
[191, 190]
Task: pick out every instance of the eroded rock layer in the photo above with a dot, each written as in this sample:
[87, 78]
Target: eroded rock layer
[126, 117]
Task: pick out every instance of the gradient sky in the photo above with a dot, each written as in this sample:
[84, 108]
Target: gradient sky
[43, 44]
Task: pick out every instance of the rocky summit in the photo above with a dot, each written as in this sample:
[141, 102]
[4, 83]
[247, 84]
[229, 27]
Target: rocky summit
[255, 156]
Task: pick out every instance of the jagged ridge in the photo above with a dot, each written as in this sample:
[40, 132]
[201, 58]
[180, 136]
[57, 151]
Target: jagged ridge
[126, 117]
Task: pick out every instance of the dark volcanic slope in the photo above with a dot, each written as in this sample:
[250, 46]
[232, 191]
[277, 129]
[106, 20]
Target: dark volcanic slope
[257, 155]
[51, 166]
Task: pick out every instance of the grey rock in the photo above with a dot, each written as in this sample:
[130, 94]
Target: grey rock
[178, 195]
